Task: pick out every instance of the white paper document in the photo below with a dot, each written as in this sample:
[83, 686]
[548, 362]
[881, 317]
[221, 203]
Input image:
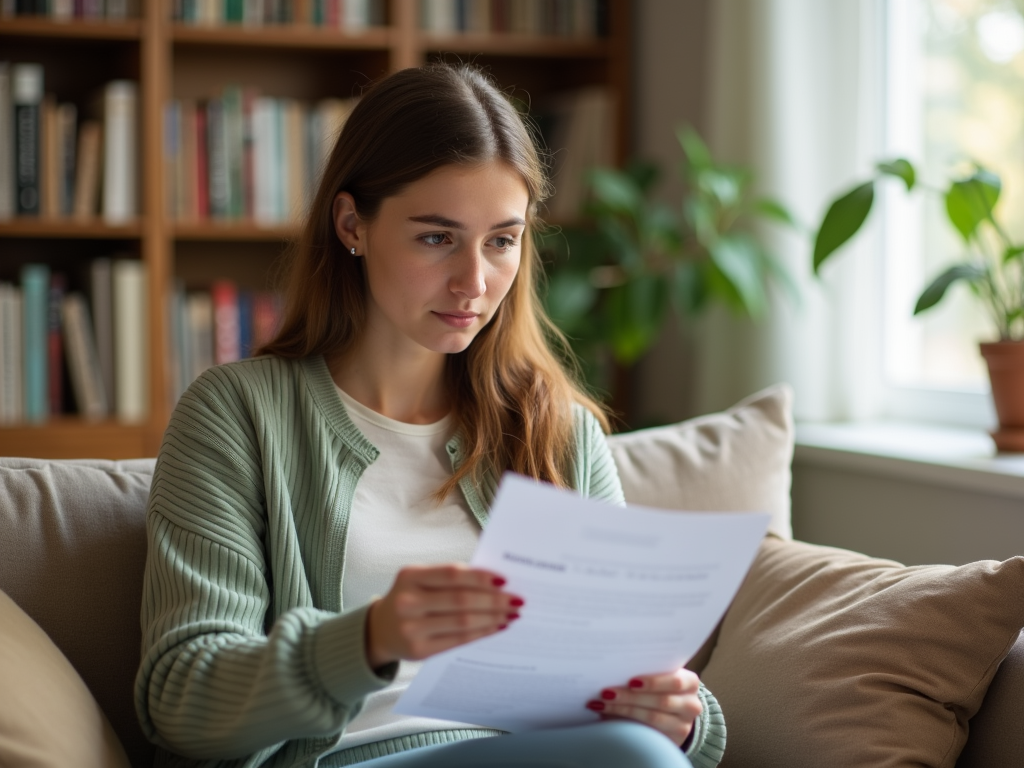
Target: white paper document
[610, 593]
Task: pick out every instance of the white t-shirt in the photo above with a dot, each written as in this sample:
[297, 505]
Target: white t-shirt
[395, 522]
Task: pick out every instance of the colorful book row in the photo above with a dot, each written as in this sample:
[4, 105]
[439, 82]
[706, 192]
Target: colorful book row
[349, 15]
[247, 157]
[52, 164]
[561, 18]
[71, 9]
[47, 331]
[217, 326]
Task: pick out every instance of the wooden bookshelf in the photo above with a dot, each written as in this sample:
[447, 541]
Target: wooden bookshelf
[173, 60]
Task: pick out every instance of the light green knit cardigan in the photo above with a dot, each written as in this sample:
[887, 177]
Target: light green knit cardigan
[249, 657]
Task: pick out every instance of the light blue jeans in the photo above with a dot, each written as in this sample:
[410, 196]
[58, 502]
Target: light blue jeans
[609, 744]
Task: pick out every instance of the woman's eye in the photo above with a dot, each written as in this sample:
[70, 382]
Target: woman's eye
[437, 238]
[504, 242]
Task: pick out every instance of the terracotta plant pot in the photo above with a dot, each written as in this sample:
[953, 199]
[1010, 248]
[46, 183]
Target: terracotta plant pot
[1005, 361]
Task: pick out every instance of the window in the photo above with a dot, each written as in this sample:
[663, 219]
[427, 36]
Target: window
[954, 85]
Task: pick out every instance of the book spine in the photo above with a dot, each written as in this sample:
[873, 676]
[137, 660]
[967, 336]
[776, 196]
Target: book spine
[262, 148]
[245, 323]
[55, 345]
[131, 359]
[357, 15]
[49, 169]
[63, 10]
[172, 157]
[202, 189]
[234, 11]
[217, 159]
[225, 322]
[180, 354]
[101, 290]
[252, 13]
[27, 94]
[234, 144]
[248, 183]
[187, 166]
[13, 362]
[67, 125]
[7, 193]
[83, 363]
[119, 152]
[200, 324]
[87, 173]
[35, 282]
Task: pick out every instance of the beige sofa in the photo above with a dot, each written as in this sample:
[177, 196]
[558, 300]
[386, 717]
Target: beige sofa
[72, 550]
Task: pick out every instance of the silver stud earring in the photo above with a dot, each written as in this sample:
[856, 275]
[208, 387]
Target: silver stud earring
[352, 250]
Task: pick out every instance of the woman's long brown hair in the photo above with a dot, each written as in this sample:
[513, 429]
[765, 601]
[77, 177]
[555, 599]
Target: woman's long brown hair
[512, 396]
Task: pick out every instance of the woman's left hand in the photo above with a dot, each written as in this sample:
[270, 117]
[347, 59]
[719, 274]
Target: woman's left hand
[668, 702]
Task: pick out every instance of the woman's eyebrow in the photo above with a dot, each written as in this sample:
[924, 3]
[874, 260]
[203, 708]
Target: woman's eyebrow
[447, 223]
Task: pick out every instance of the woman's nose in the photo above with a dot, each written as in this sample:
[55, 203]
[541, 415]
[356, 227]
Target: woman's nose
[468, 278]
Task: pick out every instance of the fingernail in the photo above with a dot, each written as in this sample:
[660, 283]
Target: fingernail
[607, 694]
[513, 616]
[516, 602]
[503, 626]
[597, 706]
[636, 682]
[498, 581]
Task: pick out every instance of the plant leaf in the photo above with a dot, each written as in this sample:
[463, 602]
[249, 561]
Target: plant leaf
[773, 209]
[643, 173]
[739, 260]
[616, 191]
[570, 297]
[725, 185]
[933, 294]
[901, 169]
[694, 148]
[689, 288]
[1012, 252]
[635, 311]
[842, 221]
[970, 201]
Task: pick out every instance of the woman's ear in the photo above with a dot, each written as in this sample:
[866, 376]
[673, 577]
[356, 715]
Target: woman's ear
[347, 225]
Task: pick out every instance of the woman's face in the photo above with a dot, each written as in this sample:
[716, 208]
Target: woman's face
[441, 255]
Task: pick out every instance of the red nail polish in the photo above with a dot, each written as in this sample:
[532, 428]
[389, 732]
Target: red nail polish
[515, 602]
[597, 706]
[498, 581]
[607, 694]
[503, 626]
[513, 616]
[636, 682]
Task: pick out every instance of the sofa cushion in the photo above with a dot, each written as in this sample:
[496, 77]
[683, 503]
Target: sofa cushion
[47, 715]
[72, 551]
[829, 657]
[735, 461]
[996, 736]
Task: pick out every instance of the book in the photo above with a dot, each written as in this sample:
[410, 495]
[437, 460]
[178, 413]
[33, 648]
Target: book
[35, 285]
[7, 193]
[55, 344]
[202, 189]
[87, 172]
[131, 340]
[101, 293]
[83, 359]
[224, 295]
[295, 184]
[49, 163]
[245, 323]
[264, 137]
[234, 148]
[181, 355]
[11, 359]
[199, 308]
[67, 135]
[172, 157]
[188, 164]
[27, 95]
[120, 161]
[219, 189]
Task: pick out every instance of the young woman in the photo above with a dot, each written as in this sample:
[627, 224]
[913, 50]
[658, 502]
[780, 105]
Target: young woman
[312, 508]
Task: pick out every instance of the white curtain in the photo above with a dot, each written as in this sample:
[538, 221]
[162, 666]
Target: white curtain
[795, 94]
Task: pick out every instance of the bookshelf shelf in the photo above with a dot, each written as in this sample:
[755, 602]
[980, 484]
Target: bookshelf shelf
[517, 45]
[65, 228]
[244, 232]
[297, 37]
[69, 438]
[284, 66]
[75, 28]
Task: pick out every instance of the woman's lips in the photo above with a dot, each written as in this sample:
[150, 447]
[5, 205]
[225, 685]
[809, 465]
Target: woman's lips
[457, 319]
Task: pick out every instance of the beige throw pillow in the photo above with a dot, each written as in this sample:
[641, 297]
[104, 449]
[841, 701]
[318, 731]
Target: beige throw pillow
[735, 461]
[48, 717]
[831, 658]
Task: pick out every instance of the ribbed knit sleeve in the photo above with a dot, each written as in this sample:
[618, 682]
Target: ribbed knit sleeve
[708, 743]
[222, 676]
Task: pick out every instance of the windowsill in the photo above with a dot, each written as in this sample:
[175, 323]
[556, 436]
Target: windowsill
[952, 457]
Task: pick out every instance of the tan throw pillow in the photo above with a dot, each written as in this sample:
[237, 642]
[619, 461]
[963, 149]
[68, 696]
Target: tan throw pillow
[48, 718]
[831, 658]
[735, 461]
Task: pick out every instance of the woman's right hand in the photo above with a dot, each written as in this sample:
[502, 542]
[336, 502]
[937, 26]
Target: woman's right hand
[433, 608]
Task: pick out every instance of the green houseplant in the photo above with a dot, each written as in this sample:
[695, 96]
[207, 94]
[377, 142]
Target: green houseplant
[993, 269]
[613, 279]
